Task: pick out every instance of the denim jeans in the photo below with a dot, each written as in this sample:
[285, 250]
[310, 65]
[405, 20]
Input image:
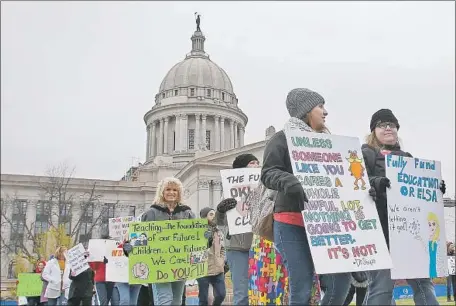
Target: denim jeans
[168, 293]
[61, 300]
[218, 283]
[238, 261]
[104, 292]
[125, 294]
[291, 242]
[380, 289]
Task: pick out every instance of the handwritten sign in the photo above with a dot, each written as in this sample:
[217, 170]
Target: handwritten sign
[415, 218]
[340, 218]
[30, 284]
[76, 259]
[100, 248]
[117, 266]
[237, 184]
[167, 251]
[118, 227]
[451, 265]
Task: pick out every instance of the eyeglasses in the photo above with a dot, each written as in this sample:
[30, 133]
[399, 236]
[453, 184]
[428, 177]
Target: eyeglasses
[384, 125]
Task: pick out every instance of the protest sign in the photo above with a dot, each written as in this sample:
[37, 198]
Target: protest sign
[118, 227]
[117, 266]
[451, 265]
[416, 218]
[75, 257]
[29, 284]
[340, 218]
[100, 248]
[167, 251]
[237, 184]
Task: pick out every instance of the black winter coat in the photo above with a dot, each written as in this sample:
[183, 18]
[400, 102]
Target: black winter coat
[375, 166]
[82, 285]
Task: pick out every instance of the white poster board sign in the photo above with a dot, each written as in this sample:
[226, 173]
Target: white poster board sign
[118, 227]
[340, 218]
[451, 265]
[237, 184]
[100, 248]
[416, 218]
[76, 259]
[117, 266]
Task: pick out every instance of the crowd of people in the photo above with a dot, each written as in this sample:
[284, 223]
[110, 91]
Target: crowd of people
[290, 278]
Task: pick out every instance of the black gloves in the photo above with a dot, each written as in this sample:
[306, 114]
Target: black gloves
[373, 193]
[442, 187]
[105, 260]
[384, 182]
[226, 268]
[226, 205]
[127, 248]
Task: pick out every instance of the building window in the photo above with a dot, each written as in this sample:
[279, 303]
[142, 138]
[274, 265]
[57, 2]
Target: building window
[192, 92]
[85, 225]
[43, 210]
[18, 223]
[223, 96]
[163, 95]
[132, 211]
[191, 139]
[174, 141]
[65, 216]
[208, 140]
[176, 92]
[108, 212]
[208, 93]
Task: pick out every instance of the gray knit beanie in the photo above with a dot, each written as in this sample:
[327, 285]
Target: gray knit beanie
[205, 211]
[301, 101]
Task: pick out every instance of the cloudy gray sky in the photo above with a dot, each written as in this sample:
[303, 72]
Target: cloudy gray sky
[77, 77]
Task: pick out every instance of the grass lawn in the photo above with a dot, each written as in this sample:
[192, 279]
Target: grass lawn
[442, 301]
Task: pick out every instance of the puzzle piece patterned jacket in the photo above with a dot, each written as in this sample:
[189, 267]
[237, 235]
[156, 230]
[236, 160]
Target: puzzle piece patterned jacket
[268, 278]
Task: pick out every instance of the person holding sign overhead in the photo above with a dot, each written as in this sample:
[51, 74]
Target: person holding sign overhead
[384, 140]
[237, 246]
[307, 113]
[216, 263]
[168, 206]
[56, 273]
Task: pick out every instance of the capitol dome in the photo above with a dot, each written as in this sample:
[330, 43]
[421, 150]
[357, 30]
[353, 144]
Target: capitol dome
[198, 72]
[197, 76]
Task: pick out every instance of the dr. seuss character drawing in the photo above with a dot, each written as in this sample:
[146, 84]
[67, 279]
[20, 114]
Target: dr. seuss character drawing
[356, 169]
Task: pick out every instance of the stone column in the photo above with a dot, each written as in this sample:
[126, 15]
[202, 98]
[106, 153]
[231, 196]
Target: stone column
[236, 144]
[222, 134]
[231, 134]
[160, 138]
[184, 124]
[203, 194]
[217, 134]
[241, 136]
[165, 136]
[216, 193]
[203, 131]
[148, 141]
[30, 218]
[153, 144]
[197, 137]
[177, 130]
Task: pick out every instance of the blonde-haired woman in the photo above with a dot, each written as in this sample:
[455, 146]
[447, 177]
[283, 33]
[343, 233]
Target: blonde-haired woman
[384, 140]
[168, 206]
[56, 273]
[434, 238]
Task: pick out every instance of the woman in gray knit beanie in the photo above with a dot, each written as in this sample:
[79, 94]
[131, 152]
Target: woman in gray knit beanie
[307, 113]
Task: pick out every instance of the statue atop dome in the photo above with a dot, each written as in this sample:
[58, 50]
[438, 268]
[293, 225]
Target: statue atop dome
[198, 21]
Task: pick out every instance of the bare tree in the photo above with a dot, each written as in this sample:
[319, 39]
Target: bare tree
[54, 215]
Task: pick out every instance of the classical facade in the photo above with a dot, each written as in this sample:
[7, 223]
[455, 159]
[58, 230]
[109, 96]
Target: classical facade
[194, 129]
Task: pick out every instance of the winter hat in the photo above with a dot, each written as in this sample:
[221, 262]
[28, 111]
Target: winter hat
[301, 101]
[383, 115]
[205, 211]
[241, 161]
